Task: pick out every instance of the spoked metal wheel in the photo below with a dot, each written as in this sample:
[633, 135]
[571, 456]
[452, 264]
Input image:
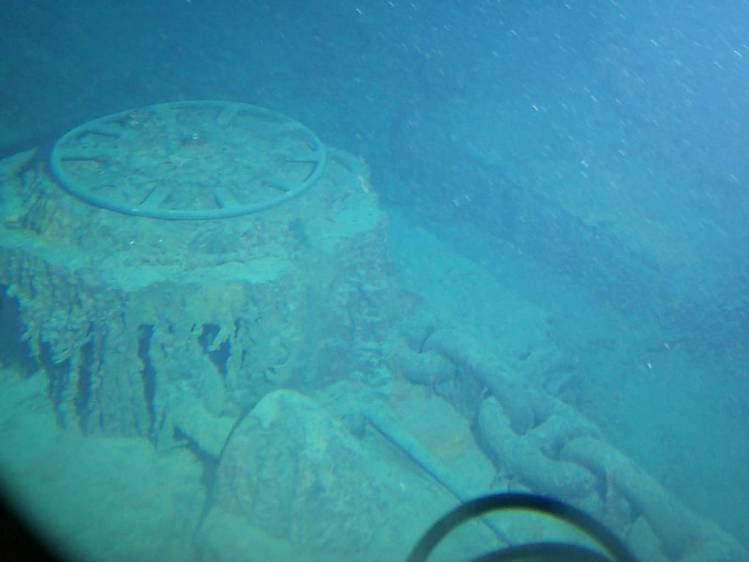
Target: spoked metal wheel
[188, 160]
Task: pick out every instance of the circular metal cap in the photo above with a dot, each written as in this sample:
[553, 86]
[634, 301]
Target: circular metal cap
[188, 160]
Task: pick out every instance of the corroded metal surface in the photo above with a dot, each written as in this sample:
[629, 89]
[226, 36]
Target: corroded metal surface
[189, 160]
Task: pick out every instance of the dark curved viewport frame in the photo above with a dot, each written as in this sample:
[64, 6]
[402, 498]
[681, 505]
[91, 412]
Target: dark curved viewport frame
[560, 552]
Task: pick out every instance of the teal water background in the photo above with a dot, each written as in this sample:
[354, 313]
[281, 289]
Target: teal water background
[589, 158]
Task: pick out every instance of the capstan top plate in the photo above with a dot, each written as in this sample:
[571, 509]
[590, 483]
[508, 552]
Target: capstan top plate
[189, 160]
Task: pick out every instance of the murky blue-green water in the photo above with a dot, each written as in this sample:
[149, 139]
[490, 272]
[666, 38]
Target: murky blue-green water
[561, 190]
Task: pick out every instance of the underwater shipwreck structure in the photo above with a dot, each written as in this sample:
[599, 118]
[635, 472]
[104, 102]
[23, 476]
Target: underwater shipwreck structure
[211, 273]
[121, 306]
